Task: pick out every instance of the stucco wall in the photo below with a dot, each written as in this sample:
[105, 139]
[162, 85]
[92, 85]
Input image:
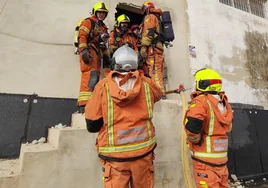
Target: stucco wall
[36, 52]
[218, 32]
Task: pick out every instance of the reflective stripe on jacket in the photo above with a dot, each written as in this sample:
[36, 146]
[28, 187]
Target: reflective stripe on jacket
[212, 143]
[85, 33]
[127, 130]
[140, 137]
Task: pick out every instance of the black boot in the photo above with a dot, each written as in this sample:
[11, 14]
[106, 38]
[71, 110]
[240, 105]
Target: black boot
[81, 109]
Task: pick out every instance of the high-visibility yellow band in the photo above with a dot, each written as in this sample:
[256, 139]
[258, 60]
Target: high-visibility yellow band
[84, 29]
[210, 155]
[149, 107]
[82, 45]
[110, 120]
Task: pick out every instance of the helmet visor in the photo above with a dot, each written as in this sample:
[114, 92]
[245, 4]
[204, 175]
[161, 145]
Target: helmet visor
[203, 84]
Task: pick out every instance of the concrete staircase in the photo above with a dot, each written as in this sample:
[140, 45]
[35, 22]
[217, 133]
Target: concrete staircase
[69, 159]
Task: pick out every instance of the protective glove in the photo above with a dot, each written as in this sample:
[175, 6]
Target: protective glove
[143, 52]
[104, 37]
[86, 56]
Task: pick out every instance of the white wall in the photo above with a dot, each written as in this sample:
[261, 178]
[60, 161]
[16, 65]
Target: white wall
[217, 31]
[36, 52]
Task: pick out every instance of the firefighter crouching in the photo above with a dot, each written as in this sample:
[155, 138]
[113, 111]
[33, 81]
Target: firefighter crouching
[208, 120]
[122, 114]
[92, 32]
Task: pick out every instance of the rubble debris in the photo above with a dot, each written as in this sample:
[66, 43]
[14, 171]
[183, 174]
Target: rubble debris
[34, 142]
[42, 140]
[233, 176]
[59, 126]
[237, 184]
[234, 182]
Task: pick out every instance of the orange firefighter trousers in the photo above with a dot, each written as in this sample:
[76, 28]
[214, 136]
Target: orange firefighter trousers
[137, 174]
[89, 77]
[155, 61]
[210, 177]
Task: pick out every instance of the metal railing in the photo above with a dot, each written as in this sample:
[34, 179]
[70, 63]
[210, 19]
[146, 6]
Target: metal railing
[256, 7]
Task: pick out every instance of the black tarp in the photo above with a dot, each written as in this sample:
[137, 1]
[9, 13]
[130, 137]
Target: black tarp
[27, 117]
[13, 117]
[47, 112]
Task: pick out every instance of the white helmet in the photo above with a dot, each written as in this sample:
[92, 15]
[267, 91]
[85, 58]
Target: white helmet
[125, 59]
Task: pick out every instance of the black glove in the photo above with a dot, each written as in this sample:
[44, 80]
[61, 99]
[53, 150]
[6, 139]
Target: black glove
[106, 62]
[85, 56]
[104, 37]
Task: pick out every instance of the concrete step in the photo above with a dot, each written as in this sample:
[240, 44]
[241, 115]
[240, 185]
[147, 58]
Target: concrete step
[9, 167]
[78, 121]
[69, 159]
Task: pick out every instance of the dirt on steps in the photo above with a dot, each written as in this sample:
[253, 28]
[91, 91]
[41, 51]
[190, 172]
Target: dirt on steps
[9, 167]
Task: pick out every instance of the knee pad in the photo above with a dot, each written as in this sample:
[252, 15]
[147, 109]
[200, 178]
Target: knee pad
[93, 80]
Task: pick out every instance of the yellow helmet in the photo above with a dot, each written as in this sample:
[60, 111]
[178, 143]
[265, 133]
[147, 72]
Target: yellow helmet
[208, 80]
[100, 6]
[122, 18]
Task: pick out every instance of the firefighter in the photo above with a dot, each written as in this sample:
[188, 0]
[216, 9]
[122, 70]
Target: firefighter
[207, 122]
[123, 111]
[135, 29]
[142, 62]
[122, 34]
[92, 35]
[151, 45]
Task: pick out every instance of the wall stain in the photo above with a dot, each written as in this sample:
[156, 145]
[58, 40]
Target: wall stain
[234, 67]
[257, 59]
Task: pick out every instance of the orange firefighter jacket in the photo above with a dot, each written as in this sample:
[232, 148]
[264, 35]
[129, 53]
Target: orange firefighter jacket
[117, 40]
[123, 118]
[89, 37]
[207, 126]
[151, 30]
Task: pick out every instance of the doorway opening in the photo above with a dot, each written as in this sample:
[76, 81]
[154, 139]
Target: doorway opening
[136, 17]
[131, 10]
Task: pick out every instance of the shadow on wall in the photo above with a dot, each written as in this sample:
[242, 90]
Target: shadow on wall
[257, 59]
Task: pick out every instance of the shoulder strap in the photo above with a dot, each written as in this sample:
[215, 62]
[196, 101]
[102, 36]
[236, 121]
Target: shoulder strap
[91, 33]
[115, 37]
[92, 23]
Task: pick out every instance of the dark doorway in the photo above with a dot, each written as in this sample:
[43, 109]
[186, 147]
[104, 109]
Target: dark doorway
[131, 10]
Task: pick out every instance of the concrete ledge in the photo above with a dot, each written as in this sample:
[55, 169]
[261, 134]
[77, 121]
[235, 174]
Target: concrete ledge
[78, 121]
